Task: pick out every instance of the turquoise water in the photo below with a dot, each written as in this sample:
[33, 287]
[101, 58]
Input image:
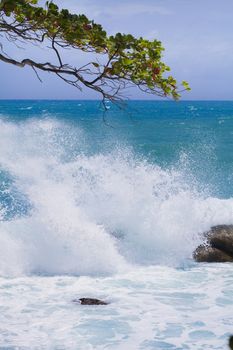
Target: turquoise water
[112, 205]
[162, 132]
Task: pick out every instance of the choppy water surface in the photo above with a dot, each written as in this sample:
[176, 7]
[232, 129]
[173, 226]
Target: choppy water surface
[113, 209]
[151, 308]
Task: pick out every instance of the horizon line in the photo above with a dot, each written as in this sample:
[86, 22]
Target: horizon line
[126, 100]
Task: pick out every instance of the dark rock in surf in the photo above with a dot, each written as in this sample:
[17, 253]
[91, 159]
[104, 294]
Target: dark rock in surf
[221, 237]
[90, 301]
[208, 254]
[231, 342]
[218, 246]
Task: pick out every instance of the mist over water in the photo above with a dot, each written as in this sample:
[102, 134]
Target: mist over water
[66, 210]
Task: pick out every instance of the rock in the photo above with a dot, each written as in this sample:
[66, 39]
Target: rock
[218, 246]
[208, 254]
[231, 342]
[90, 301]
[221, 237]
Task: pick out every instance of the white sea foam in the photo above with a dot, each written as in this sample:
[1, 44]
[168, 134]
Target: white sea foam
[26, 108]
[95, 214]
[150, 308]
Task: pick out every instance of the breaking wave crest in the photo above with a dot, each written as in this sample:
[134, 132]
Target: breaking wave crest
[67, 211]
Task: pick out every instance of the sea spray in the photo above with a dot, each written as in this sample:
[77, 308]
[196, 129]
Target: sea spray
[97, 213]
[78, 197]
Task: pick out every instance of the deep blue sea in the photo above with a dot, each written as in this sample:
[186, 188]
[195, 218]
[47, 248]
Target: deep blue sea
[111, 205]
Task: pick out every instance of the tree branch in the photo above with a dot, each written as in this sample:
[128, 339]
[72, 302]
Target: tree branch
[128, 61]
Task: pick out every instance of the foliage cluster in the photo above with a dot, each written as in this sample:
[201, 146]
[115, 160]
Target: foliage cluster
[125, 60]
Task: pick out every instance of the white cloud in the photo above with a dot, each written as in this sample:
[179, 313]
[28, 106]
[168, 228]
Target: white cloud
[153, 34]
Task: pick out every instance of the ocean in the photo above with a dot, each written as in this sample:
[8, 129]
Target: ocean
[111, 205]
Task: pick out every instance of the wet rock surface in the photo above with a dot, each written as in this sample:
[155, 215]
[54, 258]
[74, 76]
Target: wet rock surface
[231, 342]
[218, 246]
[209, 254]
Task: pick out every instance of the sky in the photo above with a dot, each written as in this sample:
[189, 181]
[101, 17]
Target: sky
[197, 37]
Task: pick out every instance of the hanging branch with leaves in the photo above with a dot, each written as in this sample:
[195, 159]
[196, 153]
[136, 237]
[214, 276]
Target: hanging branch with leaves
[125, 61]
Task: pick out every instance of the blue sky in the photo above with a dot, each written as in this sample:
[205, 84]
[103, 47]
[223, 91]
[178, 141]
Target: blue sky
[197, 36]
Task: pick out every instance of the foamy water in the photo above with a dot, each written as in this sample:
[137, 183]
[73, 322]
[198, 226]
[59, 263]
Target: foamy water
[107, 224]
[150, 308]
